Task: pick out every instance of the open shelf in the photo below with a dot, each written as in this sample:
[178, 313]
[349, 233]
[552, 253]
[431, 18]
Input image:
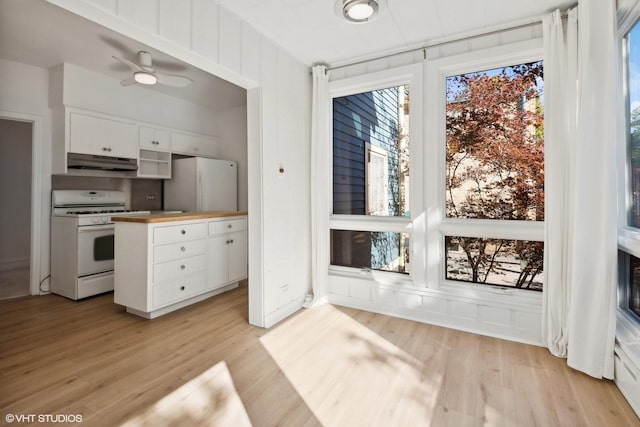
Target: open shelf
[154, 164]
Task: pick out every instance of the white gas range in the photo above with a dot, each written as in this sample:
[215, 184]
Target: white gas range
[82, 240]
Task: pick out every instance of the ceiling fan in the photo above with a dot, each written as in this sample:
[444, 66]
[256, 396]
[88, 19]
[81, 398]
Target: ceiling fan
[144, 73]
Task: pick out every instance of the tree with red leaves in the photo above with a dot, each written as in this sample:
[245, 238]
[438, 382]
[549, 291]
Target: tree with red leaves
[495, 162]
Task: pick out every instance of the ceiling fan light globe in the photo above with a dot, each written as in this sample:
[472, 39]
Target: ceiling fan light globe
[145, 78]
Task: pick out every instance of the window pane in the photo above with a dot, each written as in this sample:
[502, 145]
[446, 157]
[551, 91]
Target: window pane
[495, 144]
[630, 284]
[634, 292]
[515, 263]
[634, 125]
[370, 249]
[371, 153]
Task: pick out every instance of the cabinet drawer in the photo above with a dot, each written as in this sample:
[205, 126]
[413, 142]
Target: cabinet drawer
[178, 290]
[229, 226]
[173, 251]
[179, 233]
[178, 269]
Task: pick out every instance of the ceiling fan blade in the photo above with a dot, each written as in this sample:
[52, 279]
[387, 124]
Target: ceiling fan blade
[134, 67]
[175, 81]
[128, 82]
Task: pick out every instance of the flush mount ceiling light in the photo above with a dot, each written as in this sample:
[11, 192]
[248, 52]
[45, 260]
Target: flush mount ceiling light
[359, 11]
[145, 78]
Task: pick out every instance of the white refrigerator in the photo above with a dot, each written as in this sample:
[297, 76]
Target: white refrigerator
[201, 184]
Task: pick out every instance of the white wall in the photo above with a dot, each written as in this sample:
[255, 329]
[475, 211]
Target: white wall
[78, 87]
[208, 36]
[15, 189]
[24, 91]
[445, 50]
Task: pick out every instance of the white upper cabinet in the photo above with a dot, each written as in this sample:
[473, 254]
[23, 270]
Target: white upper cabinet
[194, 144]
[155, 139]
[89, 134]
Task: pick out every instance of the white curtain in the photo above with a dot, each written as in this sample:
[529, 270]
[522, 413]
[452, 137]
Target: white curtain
[580, 294]
[592, 303]
[320, 163]
[560, 83]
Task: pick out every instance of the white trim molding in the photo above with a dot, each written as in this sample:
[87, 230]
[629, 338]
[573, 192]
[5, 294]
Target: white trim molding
[35, 275]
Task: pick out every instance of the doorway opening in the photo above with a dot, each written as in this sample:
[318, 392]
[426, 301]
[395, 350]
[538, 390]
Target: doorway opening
[15, 216]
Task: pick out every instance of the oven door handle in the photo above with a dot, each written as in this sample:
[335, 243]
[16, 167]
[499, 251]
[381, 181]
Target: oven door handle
[90, 228]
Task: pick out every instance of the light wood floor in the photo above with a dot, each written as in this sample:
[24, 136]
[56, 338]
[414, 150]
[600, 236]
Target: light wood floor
[328, 366]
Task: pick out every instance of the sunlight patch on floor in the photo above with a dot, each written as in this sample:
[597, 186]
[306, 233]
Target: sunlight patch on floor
[210, 399]
[345, 372]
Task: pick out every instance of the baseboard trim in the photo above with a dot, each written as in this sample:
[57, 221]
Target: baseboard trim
[14, 263]
[283, 312]
[438, 319]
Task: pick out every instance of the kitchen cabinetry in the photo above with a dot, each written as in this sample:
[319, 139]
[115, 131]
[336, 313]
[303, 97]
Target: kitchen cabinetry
[154, 156]
[228, 246]
[81, 131]
[194, 144]
[154, 164]
[91, 134]
[162, 266]
[154, 139]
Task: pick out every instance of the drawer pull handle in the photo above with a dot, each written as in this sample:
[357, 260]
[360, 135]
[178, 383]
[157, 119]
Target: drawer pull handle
[182, 267]
[182, 288]
[231, 241]
[228, 241]
[229, 225]
[183, 249]
[183, 231]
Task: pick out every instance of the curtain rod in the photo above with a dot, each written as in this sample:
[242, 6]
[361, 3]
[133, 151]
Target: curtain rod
[536, 21]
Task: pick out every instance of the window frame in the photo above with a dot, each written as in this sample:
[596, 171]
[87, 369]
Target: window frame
[628, 237]
[435, 163]
[410, 75]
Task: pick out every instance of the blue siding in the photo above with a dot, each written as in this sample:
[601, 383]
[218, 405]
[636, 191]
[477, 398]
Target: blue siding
[370, 117]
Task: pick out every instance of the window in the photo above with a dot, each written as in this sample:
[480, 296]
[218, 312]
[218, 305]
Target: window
[370, 226]
[499, 262]
[633, 67]
[629, 272]
[494, 170]
[494, 144]
[385, 251]
[629, 230]
[371, 152]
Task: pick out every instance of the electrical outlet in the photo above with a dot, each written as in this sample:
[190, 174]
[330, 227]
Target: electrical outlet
[151, 196]
[285, 288]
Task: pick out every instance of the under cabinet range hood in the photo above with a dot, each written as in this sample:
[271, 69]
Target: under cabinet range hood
[101, 163]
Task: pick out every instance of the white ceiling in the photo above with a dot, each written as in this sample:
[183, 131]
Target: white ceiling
[37, 33]
[310, 30]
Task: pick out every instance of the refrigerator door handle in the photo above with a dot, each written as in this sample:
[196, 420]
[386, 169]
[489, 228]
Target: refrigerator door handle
[201, 195]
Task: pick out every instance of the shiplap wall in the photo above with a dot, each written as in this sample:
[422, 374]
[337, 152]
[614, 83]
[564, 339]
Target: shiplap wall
[24, 91]
[206, 35]
[486, 311]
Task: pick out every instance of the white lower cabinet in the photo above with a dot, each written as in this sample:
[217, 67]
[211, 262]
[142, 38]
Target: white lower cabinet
[161, 267]
[229, 261]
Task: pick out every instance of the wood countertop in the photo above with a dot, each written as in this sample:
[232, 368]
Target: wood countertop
[169, 217]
